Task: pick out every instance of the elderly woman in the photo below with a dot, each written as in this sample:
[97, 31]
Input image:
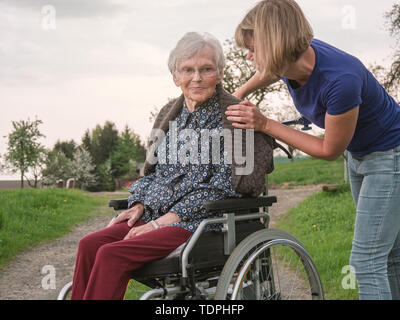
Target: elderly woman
[166, 205]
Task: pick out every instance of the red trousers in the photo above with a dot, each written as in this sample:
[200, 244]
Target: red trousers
[105, 261]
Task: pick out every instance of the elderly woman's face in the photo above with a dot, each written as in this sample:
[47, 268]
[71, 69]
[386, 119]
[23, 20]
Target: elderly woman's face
[197, 77]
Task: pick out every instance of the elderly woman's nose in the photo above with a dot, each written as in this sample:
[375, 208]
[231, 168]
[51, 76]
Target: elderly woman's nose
[196, 75]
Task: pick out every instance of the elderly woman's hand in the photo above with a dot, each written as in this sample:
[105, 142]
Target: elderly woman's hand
[165, 220]
[246, 116]
[132, 215]
[135, 231]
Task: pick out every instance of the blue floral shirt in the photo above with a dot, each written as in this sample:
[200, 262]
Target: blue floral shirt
[185, 179]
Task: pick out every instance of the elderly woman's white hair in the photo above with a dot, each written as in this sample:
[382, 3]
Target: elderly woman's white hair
[190, 44]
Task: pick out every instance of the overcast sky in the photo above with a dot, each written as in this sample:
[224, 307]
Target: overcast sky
[76, 63]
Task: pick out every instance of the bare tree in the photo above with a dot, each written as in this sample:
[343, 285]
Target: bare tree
[392, 81]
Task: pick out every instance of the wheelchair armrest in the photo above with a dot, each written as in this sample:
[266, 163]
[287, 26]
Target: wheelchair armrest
[222, 206]
[239, 204]
[118, 204]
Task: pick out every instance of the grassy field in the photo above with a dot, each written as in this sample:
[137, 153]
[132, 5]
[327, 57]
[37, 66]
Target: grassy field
[324, 223]
[31, 216]
[307, 171]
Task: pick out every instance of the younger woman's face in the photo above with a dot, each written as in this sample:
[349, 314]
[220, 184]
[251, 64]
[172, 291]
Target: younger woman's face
[251, 55]
[249, 43]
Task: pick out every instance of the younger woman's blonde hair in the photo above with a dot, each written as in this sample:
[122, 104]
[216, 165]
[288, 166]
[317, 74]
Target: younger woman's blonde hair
[280, 31]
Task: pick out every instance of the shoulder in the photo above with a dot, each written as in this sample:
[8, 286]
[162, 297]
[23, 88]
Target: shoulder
[171, 103]
[168, 112]
[225, 98]
[343, 94]
[334, 63]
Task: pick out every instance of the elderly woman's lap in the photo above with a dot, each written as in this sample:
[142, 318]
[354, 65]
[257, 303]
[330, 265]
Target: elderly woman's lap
[111, 239]
[105, 260]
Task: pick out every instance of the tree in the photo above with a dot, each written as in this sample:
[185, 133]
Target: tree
[129, 147]
[393, 24]
[114, 154]
[24, 151]
[83, 168]
[106, 179]
[87, 141]
[103, 142]
[57, 167]
[66, 147]
[36, 169]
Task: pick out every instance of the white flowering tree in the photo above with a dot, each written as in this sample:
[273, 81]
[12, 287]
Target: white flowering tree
[57, 167]
[83, 168]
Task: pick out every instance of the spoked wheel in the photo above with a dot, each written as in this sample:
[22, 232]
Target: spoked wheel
[269, 265]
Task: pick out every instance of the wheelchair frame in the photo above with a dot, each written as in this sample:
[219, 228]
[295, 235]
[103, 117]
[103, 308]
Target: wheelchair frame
[254, 248]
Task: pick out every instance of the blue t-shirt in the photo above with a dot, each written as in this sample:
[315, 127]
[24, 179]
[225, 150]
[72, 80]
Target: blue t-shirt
[340, 82]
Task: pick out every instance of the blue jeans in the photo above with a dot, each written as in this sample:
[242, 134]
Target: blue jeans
[375, 254]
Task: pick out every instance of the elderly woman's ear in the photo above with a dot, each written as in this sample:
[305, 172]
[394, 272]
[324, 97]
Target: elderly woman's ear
[219, 77]
[176, 79]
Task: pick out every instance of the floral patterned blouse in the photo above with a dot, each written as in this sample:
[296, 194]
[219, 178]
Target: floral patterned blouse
[183, 186]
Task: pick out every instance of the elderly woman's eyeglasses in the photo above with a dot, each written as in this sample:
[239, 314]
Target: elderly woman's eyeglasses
[204, 72]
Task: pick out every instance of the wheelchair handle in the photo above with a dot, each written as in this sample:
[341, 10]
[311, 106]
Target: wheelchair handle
[299, 121]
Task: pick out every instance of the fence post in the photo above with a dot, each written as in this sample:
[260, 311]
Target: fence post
[346, 169]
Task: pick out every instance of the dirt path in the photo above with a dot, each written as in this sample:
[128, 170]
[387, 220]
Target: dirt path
[22, 278]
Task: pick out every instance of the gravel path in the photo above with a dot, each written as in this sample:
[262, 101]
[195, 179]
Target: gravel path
[22, 278]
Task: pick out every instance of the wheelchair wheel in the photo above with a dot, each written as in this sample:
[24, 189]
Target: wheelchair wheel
[65, 292]
[269, 265]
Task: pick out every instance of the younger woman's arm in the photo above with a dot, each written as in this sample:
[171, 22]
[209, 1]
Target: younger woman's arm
[339, 130]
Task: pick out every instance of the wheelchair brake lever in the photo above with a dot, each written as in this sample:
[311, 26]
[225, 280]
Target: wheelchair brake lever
[277, 145]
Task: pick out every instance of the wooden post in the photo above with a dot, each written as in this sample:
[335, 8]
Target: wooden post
[346, 169]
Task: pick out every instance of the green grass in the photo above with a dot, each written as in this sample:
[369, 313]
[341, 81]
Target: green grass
[31, 216]
[307, 171]
[324, 223]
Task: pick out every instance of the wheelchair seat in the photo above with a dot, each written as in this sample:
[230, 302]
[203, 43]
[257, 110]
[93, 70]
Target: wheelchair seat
[207, 257]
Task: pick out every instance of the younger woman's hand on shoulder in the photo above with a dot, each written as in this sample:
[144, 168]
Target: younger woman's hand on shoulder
[246, 115]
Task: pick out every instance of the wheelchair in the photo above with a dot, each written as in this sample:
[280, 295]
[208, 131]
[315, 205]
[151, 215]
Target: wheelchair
[242, 260]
